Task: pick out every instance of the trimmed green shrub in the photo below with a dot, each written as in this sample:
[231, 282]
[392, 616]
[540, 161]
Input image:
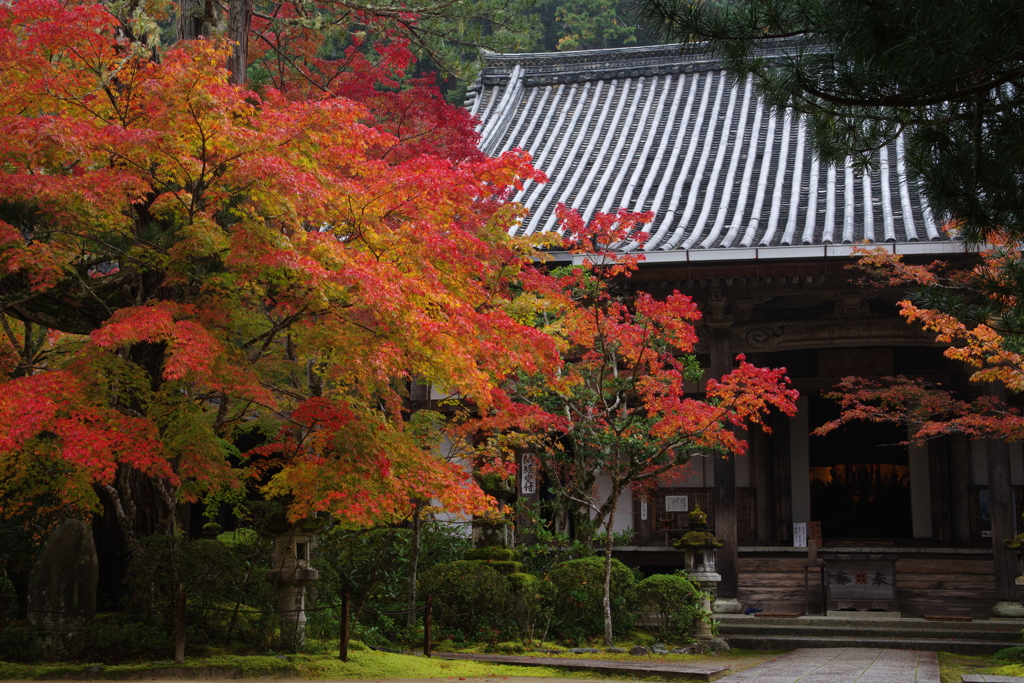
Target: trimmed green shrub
[533, 600]
[372, 566]
[217, 579]
[1013, 654]
[207, 570]
[119, 637]
[580, 587]
[670, 604]
[470, 600]
[503, 568]
[20, 642]
[492, 554]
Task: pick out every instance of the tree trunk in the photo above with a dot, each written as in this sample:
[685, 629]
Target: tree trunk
[606, 598]
[239, 18]
[190, 19]
[414, 559]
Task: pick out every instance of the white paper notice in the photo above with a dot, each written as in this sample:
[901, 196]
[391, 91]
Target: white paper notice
[677, 503]
[799, 534]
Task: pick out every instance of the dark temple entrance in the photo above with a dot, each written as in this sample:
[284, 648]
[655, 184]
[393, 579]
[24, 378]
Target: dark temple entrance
[860, 478]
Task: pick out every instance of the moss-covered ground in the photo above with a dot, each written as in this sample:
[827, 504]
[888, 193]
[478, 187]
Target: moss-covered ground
[953, 667]
[374, 665]
[362, 664]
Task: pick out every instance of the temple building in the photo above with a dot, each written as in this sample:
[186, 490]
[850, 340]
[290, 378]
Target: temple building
[750, 224]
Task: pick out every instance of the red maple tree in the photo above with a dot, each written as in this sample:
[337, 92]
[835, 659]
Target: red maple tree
[618, 408]
[188, 265]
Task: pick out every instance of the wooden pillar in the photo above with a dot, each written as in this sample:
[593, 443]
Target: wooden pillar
[938, 479]
[725, 479]
[1000, 500]
[959, 488]
[763, 480]
[783, 476]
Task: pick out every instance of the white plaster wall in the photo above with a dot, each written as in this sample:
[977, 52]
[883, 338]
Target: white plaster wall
[624, 508]
[697, 466]
[920, 491]
[800, 462]
[979, 463]
[709, 471]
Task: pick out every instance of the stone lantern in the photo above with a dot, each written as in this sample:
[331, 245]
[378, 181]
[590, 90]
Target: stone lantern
[700, 545]
[291, 573]
[1009, 609]
[494, 529]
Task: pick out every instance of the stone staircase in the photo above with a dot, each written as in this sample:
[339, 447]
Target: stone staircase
[782, 633]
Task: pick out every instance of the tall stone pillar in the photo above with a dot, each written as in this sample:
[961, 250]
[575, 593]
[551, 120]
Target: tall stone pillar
[1000, 500]
[725, 483]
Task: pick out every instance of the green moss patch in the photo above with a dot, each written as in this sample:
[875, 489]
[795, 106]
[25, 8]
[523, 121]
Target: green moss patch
[365, 664]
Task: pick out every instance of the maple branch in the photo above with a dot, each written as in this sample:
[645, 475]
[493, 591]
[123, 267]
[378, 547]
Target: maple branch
[9, 332]
[268, 336]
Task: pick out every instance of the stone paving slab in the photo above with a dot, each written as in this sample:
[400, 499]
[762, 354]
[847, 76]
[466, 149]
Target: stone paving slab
[844, 665]
[692, 670]
[989, 678]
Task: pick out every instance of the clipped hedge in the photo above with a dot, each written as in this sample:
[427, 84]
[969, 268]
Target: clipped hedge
[492, 553]
[670, 604]
[533, 601]
[580, 587]
[471, 601]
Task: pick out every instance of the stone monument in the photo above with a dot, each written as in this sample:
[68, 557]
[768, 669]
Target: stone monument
[62, 586]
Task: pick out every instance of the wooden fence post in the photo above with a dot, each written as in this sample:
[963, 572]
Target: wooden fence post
[427, 623]
[343, 646]
[179, 635]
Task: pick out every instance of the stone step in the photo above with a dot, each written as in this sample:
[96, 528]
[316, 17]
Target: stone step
[955, 646]
[815, 621]
[870, 631]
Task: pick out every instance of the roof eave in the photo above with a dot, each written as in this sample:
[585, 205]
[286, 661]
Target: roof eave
[802, 251]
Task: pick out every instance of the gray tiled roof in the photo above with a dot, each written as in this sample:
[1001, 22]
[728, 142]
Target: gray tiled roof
[660, 129]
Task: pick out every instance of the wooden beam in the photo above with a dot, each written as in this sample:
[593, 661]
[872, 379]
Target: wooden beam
[1000, 500]
[782, 471]
[725, 478]
[938, 474]
[959, 488]
[763, 481]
